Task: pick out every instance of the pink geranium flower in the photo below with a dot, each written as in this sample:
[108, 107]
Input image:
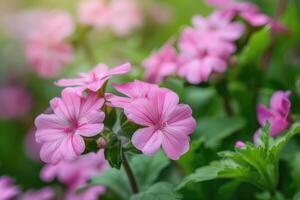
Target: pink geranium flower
[132, 90]
[161, 64]
[45, 44]
[7, 189]
[95, 79]
[248, 11]
[126, 16]
[94, 13]
[201, 54]
[219, 25]
[42, 194]
[71, 174]
[167, 123]
[276, 115]
[61, 133]
[15, 101]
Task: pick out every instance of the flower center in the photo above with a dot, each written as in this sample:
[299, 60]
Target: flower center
[161, 125]
[73, 126]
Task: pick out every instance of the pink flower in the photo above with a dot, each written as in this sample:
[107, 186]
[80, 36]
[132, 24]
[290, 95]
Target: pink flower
[133, 90]
[121, 16]
[219, 25]
[74, 117]
[96, 78]
[7, 189]
[94, 13]
[240, 144]
[167, 123]
[201, 54]
[42, 194]
[15, 101]
[276, 115]
[249, 11]
[126, 16]
[161, 64]
[71, 174]
[45, 47]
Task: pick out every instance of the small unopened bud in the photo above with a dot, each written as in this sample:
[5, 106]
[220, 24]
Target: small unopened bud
[240, 144]
[101, 143]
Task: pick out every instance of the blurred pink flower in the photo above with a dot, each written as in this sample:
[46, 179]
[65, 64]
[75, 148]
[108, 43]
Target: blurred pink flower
[167, 123]
[15, 101]
[278, 113]
[160, 13]
[202, 53]
[32, 148]
[72, 174]
[121, 16]
[74, 117]
[42, 194]
[45, 47]
[133, 90]
[161, 64]
[95, 13]
[7, 189]
[219, 25]
[240, 144]
[95, 79]
[126, 16]
[249, 11]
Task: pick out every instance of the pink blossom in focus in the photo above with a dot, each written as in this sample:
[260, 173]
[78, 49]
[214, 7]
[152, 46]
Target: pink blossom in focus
[240, 144]
[15, 101]
[201, 54]
[7, 189]
[132, 90]
[126, 16]
[95, 13]
[61, 133]
[161, 64]
[42, 194]
[45, 45]
[167, 123]
[96, 78]
[71, 173]
[276, 115]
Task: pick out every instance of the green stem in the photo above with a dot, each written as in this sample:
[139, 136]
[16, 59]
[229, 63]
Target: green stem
[130, 175]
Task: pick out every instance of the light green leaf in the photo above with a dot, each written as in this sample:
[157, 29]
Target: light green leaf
[205, 173]
[215, 129]
[159, 191]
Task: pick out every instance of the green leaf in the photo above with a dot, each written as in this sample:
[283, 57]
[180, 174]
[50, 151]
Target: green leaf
[257, 165]
[205, 173]
[215, 129]
[145, 168]
[113, 151]
[159, 191]
[255, 48]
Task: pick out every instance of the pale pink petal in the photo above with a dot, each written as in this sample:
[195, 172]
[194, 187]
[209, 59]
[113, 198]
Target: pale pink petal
[174, 144]
[280, 103]
[147, 140]
[89, 130]
[122, 69]
[240, 144]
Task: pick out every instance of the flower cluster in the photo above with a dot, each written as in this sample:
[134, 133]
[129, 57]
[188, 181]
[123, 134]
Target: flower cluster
[203, 50]
[121, 16]
[46, 47]
[167, 123]
[75, 174]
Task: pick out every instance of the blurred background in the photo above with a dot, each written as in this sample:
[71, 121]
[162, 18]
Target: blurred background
[25, 93]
